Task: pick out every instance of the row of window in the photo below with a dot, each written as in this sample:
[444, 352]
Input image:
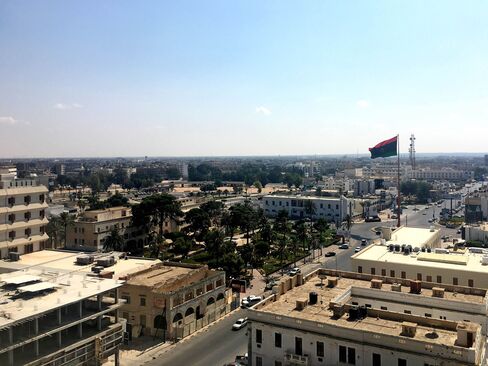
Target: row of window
[27, 216]
[27, 199]
[27, 232]
[428, 278]
[321, 205]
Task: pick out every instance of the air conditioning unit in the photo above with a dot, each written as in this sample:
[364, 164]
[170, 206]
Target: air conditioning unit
[437, 292]
[376, 284]
[409, 329]
[301, 304]
[397, 287]
[296, 359]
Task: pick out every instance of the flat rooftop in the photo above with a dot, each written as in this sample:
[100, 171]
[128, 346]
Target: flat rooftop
[65, 261]
[33, 292]
[416, 237]
[461, 260]
[384, 325]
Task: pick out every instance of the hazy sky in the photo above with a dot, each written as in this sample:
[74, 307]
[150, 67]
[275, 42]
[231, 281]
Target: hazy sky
[125, 78]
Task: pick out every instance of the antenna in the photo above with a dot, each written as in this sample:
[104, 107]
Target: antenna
[411, 150]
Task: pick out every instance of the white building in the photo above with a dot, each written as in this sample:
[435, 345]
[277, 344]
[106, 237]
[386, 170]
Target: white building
[23, 217]
[364, 187]
[332, 209]
[476, 233]
[346, 318]
[441, 174]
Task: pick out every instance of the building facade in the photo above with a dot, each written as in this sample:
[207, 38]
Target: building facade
[345, 318]
[173, 300]
[333, 209]
[91, 229]
[23, 217]
[441, 174]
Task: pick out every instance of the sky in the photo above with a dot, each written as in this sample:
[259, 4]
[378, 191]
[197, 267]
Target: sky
[215, 78]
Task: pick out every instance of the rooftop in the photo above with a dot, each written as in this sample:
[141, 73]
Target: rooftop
[65, 261]
[460, 260]
[416, 237]
[33, 292]
[377, 321]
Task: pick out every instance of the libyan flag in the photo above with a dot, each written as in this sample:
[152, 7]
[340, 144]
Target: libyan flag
[385, 148]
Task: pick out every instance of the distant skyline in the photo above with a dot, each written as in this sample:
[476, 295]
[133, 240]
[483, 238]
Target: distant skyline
[241, 78]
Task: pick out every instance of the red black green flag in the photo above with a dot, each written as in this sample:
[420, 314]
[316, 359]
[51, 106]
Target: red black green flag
[385, 148]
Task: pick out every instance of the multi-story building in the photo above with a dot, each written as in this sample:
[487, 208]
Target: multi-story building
[476, 208]
[461, 267]
[22, 214]
[173, 300]
[91, 229]
[345, 318]
[441, 174]
[56, 318]
[476, 233]
[364, 187]
[333, 209]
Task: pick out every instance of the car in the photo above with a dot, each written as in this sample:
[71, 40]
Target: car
[394, 216]
[294, 271]
[430, 220]
[242, 360]
[378, 232]
[239, 324]
[424, 213]
[250, 301]
[357, 249]
[372, 219]
[364, 242]
[459, 231]
[344, 246]
[269, 285]
[330, 254]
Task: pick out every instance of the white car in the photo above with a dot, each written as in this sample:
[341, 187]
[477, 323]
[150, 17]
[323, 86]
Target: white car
[250, 300]
[294, 271]
[357, 249]
[240, 323]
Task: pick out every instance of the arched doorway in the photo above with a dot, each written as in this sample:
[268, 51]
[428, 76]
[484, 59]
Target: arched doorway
[160, 326]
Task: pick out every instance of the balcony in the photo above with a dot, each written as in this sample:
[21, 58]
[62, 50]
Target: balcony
[293, 359]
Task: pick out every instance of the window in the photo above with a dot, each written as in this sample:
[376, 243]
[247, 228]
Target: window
[27, 216]
[402, 362]
[373, 271]
[376, 359]
[320, 349]
[259, 361]
[11, 234]
[439, 279]
[470, 283]
[404, 274]
[360, 269]
[351, 356]
[42, 213]
[29, 248]
[76, 241]
[429, 278]
[11, 218]
[27, 200]
[455, 281]
[278, 340]
[298, 346]
[383, 272]
[427, 315]
[76, 230]
[384, 308]
[125, 315]
[259, 336]
[142, 301]
[41, 198]
[126, 298]
[27, 231]
[342, 354]
[392, 273]
[407, 311]
[419, 276]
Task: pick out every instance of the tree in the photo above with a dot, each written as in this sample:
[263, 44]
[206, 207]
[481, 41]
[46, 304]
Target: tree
[310, 210]
[152, 213]
[281, 226]
[198, 222]
[182, 246]
[95, 203]
[257, 184]
[117, 200]
[301, 231]
[66, 220]
[214, 210]
[114, 241]
[54, 229]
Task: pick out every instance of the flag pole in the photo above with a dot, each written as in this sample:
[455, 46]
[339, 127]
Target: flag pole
[399, 210]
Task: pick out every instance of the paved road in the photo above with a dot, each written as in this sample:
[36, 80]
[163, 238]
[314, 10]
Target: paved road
[215, 346]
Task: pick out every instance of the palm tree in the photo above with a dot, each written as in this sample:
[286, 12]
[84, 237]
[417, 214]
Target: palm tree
[114, 241]
[66, 220]
[281, 226]
[54, 230]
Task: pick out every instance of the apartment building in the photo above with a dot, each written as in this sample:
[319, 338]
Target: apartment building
[441, 174]
[333, 209]
[91, 229]
[476, 208]
[22, 214]
[476, 233]
[55, 318]
[173, 300]
[345, 318]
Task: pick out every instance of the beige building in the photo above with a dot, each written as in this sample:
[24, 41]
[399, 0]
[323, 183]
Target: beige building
[476, 232]
[22, 214]
[346, 318]
[415, 237]
[173, 300]
[92, 227]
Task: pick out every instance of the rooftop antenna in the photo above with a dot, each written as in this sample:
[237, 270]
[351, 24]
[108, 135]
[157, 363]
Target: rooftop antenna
[411, 150]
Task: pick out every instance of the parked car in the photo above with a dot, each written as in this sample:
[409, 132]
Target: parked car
[364, 242]
[330, 254]
[459, 231]
[373, 219]
[242, 360]
[294, 271]
[250, 301]
[357, 249]
[344, 246]
[239, 324]
[394, 216]
[269, 285]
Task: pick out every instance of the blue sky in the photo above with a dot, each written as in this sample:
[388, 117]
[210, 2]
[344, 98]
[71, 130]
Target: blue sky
[181, 78]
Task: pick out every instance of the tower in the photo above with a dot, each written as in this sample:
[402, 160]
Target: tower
[411, 150]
